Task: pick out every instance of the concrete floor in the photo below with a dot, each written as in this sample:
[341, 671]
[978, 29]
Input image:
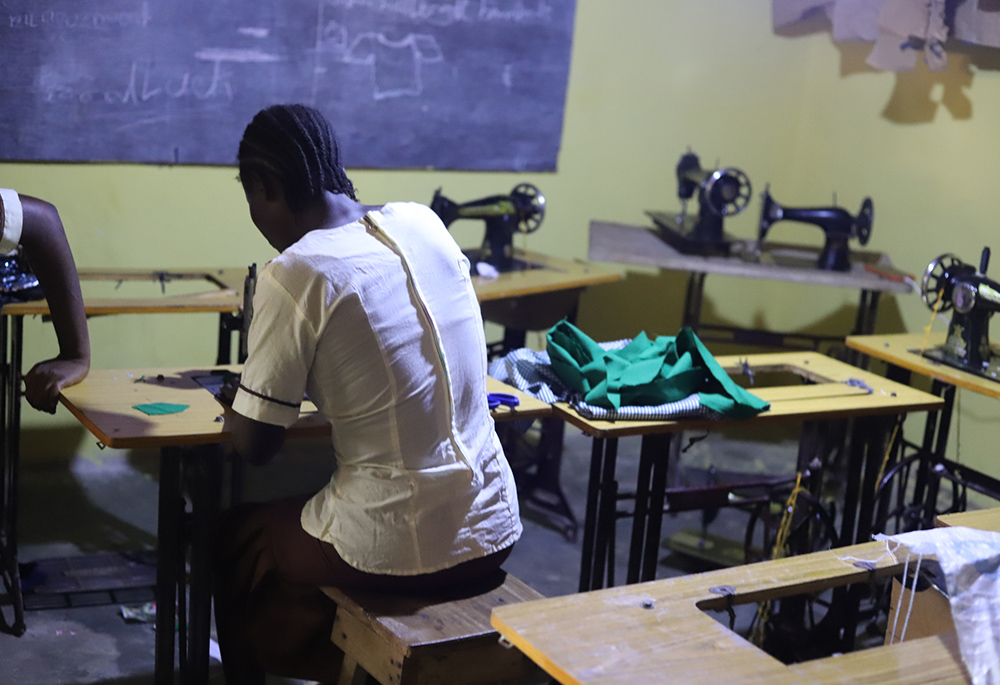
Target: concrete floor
[87, 507]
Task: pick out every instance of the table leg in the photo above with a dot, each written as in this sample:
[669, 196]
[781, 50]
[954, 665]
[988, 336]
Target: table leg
[693, 297]
[11, 340]
[878, 431]
[205, 466]
[170, 510]
[599, 517]
[852, 488]
[665, 450]
[925, 489]
[655, 455]
[642, 511]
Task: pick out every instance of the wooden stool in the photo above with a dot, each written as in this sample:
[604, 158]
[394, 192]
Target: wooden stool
[439, 639]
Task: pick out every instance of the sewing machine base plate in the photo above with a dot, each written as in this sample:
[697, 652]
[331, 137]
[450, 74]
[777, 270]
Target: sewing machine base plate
[516, 264]
[990, 371]
[684, 239]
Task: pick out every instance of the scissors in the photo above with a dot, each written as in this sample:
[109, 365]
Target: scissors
[495, 399]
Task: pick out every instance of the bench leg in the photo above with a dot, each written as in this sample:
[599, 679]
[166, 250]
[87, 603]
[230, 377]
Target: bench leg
[351, 673]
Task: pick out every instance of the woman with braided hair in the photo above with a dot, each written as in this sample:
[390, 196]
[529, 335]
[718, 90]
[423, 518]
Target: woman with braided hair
[370, 312]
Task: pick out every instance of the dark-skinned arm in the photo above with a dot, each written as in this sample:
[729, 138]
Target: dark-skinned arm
[43, 242]
[255, 441]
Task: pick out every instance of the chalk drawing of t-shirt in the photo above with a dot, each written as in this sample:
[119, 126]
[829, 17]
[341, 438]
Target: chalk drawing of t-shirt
[395, 64]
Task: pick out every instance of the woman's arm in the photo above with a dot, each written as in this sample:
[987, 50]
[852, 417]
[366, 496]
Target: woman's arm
[44, 243]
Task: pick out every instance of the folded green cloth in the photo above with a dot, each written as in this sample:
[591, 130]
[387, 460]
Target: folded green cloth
[646, 372]
[158, 408]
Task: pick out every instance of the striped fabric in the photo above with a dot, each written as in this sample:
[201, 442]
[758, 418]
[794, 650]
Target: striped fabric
[688, 408]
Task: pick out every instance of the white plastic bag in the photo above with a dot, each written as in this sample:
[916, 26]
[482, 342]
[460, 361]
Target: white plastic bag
[970, 560]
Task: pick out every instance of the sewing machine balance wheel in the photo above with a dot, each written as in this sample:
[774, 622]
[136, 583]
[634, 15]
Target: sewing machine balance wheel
[863, 222]
[532, 219]
[936, 279]
[727, 191]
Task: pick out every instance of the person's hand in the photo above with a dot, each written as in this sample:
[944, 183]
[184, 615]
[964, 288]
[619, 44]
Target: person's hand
[47, 379]
[227, 391]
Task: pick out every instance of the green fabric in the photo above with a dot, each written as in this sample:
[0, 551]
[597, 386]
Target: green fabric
[157, 408]
[646, 372]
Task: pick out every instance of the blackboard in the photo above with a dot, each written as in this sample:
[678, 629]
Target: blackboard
[445, 84]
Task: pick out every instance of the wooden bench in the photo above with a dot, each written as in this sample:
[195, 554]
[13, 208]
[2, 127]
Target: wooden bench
[441, 639]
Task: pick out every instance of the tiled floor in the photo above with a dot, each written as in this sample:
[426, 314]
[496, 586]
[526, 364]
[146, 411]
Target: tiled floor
[89, 507]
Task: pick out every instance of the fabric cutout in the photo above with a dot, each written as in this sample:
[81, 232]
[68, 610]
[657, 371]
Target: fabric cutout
[159, 408]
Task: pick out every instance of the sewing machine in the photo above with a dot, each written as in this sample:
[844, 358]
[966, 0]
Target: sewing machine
[521, 211]
[837, 224]
[721, 193]
[17, 282]
[950, 284]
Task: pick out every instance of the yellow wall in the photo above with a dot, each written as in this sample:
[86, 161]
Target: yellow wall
[648, 80]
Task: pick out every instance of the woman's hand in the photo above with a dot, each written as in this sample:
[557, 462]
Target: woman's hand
[47, 379]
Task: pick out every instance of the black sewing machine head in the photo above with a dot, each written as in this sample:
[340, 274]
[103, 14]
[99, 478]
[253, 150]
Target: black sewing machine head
[837, 223]
[950, 284]
[521, 211]
[720, 192]
[17, 281]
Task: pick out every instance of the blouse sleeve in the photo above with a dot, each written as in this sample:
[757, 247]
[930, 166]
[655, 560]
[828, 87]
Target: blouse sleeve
[282, 345]
[11, 220]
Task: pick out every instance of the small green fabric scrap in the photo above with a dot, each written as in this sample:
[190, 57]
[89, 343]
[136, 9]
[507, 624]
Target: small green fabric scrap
[158, 408]
[647, 372]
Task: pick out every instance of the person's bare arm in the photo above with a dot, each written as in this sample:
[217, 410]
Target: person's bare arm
[255, 441]
[44, 243]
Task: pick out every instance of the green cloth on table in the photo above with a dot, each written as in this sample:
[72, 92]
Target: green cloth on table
[647, 372]
[158, 408]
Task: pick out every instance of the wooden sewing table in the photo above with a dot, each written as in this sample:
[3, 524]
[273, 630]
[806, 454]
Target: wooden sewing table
[871, 273]
[902, 354]
[192, 450]
[659, 632]
[823, 389]
[222, 294]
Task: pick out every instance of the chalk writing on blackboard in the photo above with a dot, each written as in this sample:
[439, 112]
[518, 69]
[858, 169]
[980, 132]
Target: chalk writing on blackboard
[449, 84]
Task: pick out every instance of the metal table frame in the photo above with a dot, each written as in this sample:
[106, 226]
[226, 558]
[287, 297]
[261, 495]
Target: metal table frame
[918, 509]
[227, 305]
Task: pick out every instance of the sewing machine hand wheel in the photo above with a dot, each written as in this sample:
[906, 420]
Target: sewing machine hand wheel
[863, 222]
[533, 218]
[727, 191]
[936, 279]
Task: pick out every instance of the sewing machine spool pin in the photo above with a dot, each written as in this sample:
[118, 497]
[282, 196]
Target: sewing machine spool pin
[522, 211]
[837, 224]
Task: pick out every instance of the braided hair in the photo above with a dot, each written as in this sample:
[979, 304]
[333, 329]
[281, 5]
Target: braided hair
[295, 145]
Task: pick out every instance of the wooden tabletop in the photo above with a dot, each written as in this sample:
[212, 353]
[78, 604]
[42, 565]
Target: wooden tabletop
[548, 274]
[223, 292]
[640, 245]
[659, 631]
[827, 396]
[903, 350]
[104, 402]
